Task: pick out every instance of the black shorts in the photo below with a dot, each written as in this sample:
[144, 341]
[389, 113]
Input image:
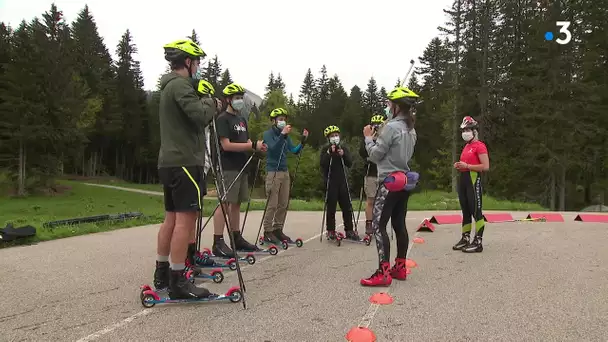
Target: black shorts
[183, 187]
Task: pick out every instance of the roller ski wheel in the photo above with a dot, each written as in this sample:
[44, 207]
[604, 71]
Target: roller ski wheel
[262, 241]
[231, 263]
[298, 243]
[334, 237]
[216, 275]
[150, 298]
[366, 240]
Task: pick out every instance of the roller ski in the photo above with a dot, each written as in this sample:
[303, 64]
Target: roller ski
[206, 254]
[179, 286]
[243, 246]
[352, 236]
[332, 236]
[196, 273]
[276, 237]
[150, 297]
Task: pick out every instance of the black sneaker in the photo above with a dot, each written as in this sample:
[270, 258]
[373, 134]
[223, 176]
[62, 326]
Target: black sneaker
[281, 236]
[181, 288]
[463, 242]
[221, 249]
[243, 245]
[201, 260]
[351, 235]
[474, 247]
[162, 273]
[271, 237]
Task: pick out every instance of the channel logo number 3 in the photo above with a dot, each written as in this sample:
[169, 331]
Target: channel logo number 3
[564, 25]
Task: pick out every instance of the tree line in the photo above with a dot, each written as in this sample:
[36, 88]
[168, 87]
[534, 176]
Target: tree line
[68, 108]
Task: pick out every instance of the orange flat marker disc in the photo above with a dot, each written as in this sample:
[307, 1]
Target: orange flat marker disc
[419, 240]
[381, 298]
[360, 334]
[410, 263]
[408, 270]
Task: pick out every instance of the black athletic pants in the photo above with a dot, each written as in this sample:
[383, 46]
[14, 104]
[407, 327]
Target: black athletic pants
[338, 193]
[469, 196]
[393, 206]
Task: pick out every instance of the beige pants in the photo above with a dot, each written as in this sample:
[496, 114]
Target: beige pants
[277, 192]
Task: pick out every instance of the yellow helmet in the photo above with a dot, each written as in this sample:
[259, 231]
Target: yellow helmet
[331, 129]
[402, 94]
[181, 49]
[377, 119]
[204, 88]
[277, 112]
[234, 89]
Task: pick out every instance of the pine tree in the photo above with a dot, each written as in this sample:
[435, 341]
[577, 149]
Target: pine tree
[271, 83]
[322, 90]
[371, 101]
[194, 37]
[132, 102]
[225, 80]
[307, 91]
[94, 65]
[279, 84]
[213, 73]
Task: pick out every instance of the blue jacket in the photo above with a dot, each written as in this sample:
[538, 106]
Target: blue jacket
[278, 144]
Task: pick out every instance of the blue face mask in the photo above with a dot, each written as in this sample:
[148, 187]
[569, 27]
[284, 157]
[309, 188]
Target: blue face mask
[198, 75]
[388, 113]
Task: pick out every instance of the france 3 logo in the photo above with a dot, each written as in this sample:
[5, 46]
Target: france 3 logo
[563, 30]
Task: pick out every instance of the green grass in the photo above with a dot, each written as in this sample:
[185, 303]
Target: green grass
[80, 200]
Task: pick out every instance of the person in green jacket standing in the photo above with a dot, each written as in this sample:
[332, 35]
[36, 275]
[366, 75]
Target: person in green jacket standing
[183, 117]
[277, 176]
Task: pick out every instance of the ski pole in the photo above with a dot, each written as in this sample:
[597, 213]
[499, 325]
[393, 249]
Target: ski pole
[361, 195]
[257, 170]
[294, 177]
[270, 191]
[408, 73]
[326, 195]
[225, 195]
[220, 185]
[350, 201]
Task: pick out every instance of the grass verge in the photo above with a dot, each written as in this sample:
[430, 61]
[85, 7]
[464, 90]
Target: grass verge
[80, 200]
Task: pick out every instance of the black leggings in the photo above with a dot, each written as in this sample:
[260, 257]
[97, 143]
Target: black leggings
[393, 206]
[338, 194]
[469, 196]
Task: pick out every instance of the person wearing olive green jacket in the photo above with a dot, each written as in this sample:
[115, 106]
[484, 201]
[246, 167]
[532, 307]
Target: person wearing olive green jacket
[183, 117]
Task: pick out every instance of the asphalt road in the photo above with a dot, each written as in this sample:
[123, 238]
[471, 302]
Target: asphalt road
[533, 282]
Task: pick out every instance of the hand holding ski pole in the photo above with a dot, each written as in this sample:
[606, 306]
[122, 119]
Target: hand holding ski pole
[304, 135]
[286, 130]
[368, 131]
[260, 146]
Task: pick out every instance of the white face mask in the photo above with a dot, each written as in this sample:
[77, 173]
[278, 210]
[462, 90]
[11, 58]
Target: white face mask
[334, 140]
[238, 105]
[467, 136]
[388, 112]
[281, 123]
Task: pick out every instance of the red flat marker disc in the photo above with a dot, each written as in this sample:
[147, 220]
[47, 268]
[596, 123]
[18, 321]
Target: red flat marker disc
[418, 240]
[360, 334]
[381, 298]
[410, 263]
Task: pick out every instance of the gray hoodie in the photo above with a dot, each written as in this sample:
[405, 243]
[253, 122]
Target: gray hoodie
[393, 149]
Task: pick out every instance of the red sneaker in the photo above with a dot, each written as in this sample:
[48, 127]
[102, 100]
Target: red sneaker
[381, 277]
[399, 270]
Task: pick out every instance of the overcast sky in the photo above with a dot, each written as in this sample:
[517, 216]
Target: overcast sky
[355, 40]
